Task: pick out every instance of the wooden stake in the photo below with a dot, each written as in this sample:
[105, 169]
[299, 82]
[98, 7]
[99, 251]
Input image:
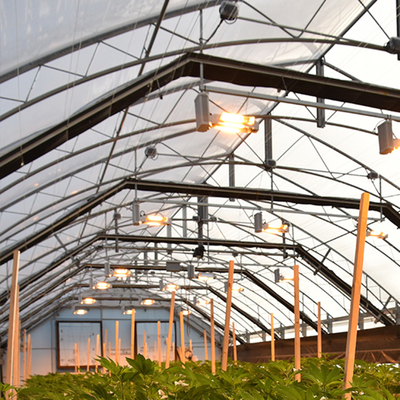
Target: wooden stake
[78, 357]
[297, 354]
[319, 339]
[133, 334]
[75, 356]
[159, 342]
[105, 355]
[11, 351]
[173, 351]
[29, 358]
[119, 349]
[190, 345]
[24, 357]
[272, 338]
[205, 346]
[212, 336]
[155, 351]
[116, 341]
[16, 379]
[183, 358]
[234, 343]
[224, 363]
[144, 345]
[97, 351]
[171, 321]
[355, 294]
[88, 355]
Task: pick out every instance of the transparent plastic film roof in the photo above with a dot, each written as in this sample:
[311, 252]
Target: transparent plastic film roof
[99, 133]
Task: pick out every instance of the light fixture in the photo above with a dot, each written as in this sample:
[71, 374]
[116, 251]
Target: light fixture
[205, 276]
[154, 220]
[199, 251]
[228, 11]
[80, 311]
[387, 141]
[278, 277]
[278, 226]
[102, 285]
[171, 287]
[232, 123]
[88, 300]
[376, 234]
[121, 272]
[186, 312]
[147, 302]
[203, 302]
[129, 311]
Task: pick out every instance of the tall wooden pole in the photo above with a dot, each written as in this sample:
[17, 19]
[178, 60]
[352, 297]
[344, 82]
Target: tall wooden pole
[183, 358]
[116, 341]
[12, 319]
[234, 343]
[155, 351]
[97, 351]
[24, 349]
[144, 345]
[355, 294]
[76, 355]
[16, 380]
[296, 321]
[212, 336]
[224, 363]
[171, 322]
[272, 338]
[133, 334]
[205, 346]
[319, 340]
[159, 342]
[29, 358]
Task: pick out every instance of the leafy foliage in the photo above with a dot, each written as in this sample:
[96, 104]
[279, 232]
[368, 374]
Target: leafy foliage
[143, 379]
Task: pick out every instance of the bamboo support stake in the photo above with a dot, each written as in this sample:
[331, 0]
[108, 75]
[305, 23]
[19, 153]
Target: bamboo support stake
[272, 338]
[212, 336]
[155, 351]
[183, 359]
[133, 334]
[173, 351]
[159, 342]
[88, 355]
[24, 349]
[224, 363]
[105, 355]
[97, 352]
[75, 355]
[116, 341]
[144, 345]
[12, 319]
[319, 340]
[234, 343]
[171, 321]
[205, 346]
[190, 345]
[16, 380]
[119, 349]
[355, 294]
[29, 358]
[297, 354]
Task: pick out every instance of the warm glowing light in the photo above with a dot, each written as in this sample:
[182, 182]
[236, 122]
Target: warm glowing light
[154, 220]
[121, 272]
[102, 285]
[203, 302]
[186, 312]
[147, 302]
[205, 276]
[237, 289]
[80, 311]
[171, 287]
[88, 300]
[234, 123]
[377, 234]
[276, 227]
[128, 312]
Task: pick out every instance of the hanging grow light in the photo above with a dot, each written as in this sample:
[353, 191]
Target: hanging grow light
[147, 302]
[171, 287]
[88, 300]
[80, 311]
[121, 273]
[102, 285]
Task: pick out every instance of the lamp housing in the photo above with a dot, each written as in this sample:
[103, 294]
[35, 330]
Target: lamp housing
[154, 220]
[102, 285]
[80, 311]
[147, 302]
[387, 142]
[205, 276]
[234, 123]
[171, 287]
[88, 300]
[121, 273]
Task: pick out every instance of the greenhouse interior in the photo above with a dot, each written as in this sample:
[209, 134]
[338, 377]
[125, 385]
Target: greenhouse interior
[158, 158]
